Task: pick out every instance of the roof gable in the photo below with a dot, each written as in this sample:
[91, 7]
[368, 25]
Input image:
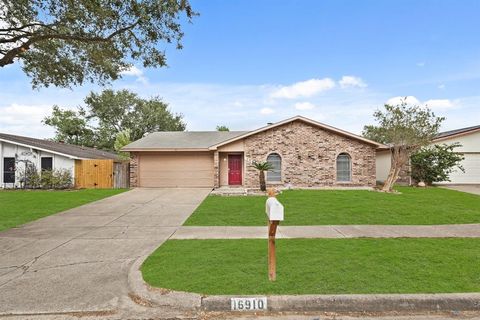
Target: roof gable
[306, 120]
[63, 149]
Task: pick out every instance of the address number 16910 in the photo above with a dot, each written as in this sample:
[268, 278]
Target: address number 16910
[249, 304]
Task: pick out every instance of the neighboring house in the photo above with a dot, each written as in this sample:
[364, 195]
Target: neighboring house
[303, 153]
[16, 152]
[469, 138]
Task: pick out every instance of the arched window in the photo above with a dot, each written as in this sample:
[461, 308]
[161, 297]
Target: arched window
[344, 167]
[275, 174]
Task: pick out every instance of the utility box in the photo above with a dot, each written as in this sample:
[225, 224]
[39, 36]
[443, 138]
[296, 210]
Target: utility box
[274, 209]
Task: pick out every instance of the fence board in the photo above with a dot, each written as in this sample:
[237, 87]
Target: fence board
[121, 174]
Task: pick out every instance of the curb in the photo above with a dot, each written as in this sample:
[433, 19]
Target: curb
[143, 294]
[358, 302]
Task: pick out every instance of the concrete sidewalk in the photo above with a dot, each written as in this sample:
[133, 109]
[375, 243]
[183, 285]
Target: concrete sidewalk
[340, 231]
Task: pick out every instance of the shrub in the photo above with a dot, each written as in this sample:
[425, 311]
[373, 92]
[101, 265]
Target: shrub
[435, 163]
[47, 179]
[61, 179]
[30, 179]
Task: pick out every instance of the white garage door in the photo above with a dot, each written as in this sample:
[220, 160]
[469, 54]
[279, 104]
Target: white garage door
[471, 164]
[176, 169]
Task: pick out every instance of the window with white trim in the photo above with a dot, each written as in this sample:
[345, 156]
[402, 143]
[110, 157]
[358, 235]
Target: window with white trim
[344, 168]
[275, 174]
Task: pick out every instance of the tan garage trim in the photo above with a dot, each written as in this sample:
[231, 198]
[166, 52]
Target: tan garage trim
[175, 169]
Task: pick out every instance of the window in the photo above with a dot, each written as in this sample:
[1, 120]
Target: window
[275, 174]
[344, 168]
[8, 170]
[47, 163]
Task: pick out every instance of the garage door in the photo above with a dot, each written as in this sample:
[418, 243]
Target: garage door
[471, 164]
[182, 169]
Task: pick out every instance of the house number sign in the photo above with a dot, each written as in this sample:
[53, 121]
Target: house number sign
[249, 304]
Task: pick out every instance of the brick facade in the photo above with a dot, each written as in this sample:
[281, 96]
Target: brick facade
[309, 156]
[216, 170]
[133, 170]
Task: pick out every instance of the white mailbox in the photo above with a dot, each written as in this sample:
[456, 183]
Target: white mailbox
[274, 209]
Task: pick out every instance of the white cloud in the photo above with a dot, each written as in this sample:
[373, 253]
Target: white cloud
[421, 64]
[352, 82]
[439, 103]
[304, 106]
[306, 88]
[25, 119]
[267, 111]
[205, 105]
[133, 71]
[398, 100]
[441, 86]
[432, 103]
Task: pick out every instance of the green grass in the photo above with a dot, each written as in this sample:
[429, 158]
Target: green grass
[331, 207]
[22, 206]
[317, 266]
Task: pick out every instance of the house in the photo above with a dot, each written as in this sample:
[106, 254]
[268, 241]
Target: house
[469, 138]
[303, 153]
[17, 152]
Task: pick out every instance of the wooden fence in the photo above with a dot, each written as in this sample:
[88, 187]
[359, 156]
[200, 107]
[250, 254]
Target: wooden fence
[101, 174]
[121, 174]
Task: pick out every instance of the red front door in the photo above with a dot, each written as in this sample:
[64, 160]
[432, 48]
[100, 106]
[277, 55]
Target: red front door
[235, 169]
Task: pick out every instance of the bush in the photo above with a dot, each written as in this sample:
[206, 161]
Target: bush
[30, 177]
[435, 163]
[47, 179]
[61, 179]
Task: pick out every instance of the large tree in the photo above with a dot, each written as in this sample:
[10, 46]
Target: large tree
[109, 113]
[65, 43]
[405, 128]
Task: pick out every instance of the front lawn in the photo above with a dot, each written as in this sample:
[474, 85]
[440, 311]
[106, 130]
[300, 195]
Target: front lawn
[334, 207]
[317, 266]
[21, 206]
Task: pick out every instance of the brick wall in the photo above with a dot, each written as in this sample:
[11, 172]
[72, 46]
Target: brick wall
[133, 169]
[309, 156]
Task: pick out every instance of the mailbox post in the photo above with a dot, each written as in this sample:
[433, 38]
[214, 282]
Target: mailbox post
[274, 210]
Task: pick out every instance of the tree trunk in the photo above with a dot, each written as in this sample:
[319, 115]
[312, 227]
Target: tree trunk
[263, 186]
[400, 156]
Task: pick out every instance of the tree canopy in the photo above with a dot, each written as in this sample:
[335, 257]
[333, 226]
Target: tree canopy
[106, 114]
[222, 128]
[65, 43]
[406, 128]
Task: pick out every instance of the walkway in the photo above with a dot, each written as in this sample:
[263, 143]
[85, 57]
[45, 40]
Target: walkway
[341, 231]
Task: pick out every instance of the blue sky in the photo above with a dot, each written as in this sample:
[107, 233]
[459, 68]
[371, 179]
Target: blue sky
[246, 63]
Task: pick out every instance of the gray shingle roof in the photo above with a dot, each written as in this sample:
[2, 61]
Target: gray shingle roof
[457, 131]
[64, 148]
[182, 140]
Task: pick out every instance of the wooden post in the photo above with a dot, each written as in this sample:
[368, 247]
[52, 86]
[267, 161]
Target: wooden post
[272, 260]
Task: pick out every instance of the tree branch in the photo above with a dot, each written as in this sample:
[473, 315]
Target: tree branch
[23, 27]
[13, 53]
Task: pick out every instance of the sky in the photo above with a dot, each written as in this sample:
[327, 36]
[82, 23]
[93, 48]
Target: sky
[249, 62]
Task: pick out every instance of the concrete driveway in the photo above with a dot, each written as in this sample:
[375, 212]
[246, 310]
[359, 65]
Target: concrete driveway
[470, 188]
[79, 260]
